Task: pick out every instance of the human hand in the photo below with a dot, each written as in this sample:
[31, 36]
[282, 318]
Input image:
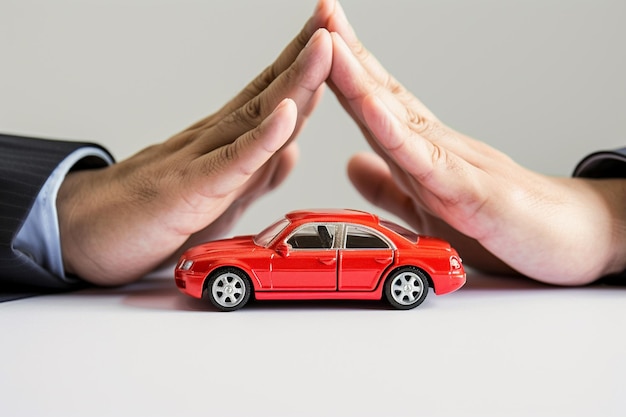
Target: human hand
[121, 222]
[500, 216]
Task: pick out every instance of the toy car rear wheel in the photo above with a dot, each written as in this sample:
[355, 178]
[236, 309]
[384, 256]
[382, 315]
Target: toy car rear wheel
[229, 289]
[406, 288]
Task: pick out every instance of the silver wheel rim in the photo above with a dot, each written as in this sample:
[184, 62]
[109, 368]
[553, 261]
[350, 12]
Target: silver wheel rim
[228, 289]
[406, 288]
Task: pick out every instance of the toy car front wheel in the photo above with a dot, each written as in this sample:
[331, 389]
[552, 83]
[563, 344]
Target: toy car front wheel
[229, 289]
[406, 288]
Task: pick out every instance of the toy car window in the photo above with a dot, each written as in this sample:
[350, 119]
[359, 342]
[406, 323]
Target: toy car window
[402, 231]
[358, 237]
[266, 236]
[313, 236]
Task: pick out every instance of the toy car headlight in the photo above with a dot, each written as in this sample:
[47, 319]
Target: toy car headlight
[185, 265]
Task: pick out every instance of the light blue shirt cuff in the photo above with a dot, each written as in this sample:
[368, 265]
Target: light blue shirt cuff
[39, 236]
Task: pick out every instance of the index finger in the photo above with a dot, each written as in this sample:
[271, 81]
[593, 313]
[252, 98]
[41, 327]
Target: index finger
[288, 55]
[338, 23]
[456, 189]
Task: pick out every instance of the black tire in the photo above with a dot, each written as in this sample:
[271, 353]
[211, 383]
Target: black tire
[229, 289]
[406, 288]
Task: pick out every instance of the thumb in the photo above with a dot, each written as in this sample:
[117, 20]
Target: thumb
[372, 178]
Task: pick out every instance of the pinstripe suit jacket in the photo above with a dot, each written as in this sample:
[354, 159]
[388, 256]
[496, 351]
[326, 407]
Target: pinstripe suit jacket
[25, 165]
[603, 164]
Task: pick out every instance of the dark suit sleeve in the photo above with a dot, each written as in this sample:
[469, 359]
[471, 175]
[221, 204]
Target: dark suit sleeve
[605, 164]
[25, 165]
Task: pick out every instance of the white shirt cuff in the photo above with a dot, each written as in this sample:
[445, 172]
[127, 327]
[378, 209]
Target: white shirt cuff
[39, 236]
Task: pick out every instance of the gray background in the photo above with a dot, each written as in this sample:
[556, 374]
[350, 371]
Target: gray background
[541, 80]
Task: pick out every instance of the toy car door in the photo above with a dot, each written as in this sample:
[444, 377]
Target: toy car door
[365, 255]
[310, 263]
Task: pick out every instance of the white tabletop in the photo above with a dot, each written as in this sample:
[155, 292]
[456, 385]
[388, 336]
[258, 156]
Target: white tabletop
[497, 347]
[541, 81]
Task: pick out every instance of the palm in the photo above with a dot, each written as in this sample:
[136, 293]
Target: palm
[500, 216]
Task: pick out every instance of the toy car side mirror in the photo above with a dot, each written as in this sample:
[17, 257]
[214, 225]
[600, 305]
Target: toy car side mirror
[283, 249]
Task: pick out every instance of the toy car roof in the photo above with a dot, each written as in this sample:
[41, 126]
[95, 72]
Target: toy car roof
[331, 215]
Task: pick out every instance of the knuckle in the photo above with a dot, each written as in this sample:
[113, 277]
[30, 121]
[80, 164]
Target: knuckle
[395, 87]
[360, 52]
[230, 156]
[252, 111]
[291, 74]
[229, 153]
[255, 134]
[301, 39]
[427, 172]
[421, 124]
[247, 116]
[181, 140]
[362, 86]
[262, 81]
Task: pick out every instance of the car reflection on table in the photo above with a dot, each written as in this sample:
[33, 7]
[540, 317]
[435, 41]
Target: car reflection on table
[322, 255]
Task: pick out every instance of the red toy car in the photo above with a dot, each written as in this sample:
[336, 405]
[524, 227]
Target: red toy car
[322, 254]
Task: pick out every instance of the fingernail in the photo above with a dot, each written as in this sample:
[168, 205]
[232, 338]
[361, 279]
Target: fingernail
[282, 104]
[313, 38]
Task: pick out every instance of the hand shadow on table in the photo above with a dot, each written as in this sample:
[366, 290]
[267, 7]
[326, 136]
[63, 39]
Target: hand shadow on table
[160, 293]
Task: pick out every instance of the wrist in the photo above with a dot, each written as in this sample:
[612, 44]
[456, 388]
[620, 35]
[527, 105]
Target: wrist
[67, 210]
[613, 193]
[609, 167]
[74, 209]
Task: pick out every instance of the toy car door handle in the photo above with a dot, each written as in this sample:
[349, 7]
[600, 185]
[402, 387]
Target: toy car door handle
[327, 261]
[383, 260]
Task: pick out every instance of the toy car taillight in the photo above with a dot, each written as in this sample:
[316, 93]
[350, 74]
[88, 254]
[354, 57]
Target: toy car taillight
[455, 262]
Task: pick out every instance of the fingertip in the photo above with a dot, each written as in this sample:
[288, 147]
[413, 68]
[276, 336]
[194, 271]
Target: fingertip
[369, 175]
[365, 171]
[354, 163]
[347, 73]
[320, 35]
[365, 163]
[323, 10]
[286, 111]
[276, 129]
[316, 59]
[344, 62]
[373, 179]
[338, 41]
[338, 22]
[287, 104]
